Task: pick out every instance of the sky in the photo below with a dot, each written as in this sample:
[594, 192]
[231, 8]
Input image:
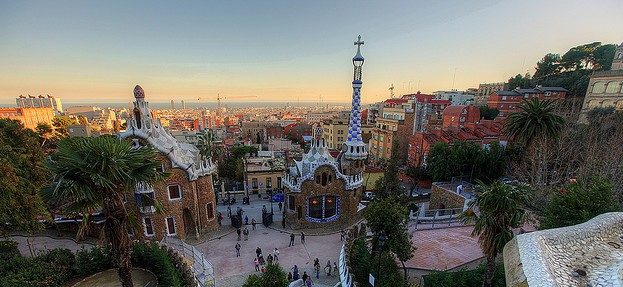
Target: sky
[282, 51]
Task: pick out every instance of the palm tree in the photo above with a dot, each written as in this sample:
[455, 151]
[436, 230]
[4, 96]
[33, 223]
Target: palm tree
[500, 209]
[534, 119]
[208, 147]
[95, 173]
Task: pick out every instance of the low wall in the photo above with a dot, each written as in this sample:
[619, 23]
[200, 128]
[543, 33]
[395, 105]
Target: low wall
[587, 253]
[442, 197]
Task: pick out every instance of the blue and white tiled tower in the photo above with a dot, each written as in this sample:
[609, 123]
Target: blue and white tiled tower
[354, 150]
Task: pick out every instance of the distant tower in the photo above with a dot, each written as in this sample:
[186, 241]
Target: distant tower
[183, 105]
[391, 91]
[172, 105]
[354, 150]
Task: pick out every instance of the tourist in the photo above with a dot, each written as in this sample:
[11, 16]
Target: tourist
[262, 261]
[295, 277]
[258, 252]
[309, 282]
[238, 232]
[327, 268]
[291, 239]
[295, 269]
[264, 209]
[290, 277]
[302, 237]
[269, 258]
[237, 249]
[335, 270]
[219, 218]
[263, 269]
[317, 269]
[257, 264]
[283, 220]
[246, 220]
[246, 234]
[305, 276]
[253, 222]
[276, 254]
[280, 205]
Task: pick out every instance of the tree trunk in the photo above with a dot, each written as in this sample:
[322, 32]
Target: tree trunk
[405, 269]
[489, 272]
[116, 233]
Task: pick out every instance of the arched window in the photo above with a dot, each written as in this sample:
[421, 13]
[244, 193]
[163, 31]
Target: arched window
[598, 88]
[612, 88]
[324, 179]
[323, 208]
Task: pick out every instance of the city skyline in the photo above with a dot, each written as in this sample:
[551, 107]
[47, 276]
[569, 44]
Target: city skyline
[282, 52]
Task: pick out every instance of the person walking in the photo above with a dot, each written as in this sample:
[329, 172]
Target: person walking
[327, 268]
[276, 254]
[219, 218]
[317, 269]
[302, 237]
[238, 232]
[258, 252]
[335, 270]
[246, 220]
[237, 249]
[309, 282]
[269, 259]
[280, 205]
[291, 239]
[283, 220]
[246, 234]
[305, 276]
[257, 264]
[253, 222]
[229, 211]
[295, 270]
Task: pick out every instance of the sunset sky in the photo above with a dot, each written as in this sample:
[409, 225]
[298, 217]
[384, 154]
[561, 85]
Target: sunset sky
[280, 51]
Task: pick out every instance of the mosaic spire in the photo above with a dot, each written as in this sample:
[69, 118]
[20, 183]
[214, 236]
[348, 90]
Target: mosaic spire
[354, 146]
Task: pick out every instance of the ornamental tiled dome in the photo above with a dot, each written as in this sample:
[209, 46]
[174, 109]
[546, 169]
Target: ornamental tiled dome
[138, 92]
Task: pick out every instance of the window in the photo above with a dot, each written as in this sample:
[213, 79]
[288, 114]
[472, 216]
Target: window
[503, 98]
[174, 192]
[324, 179]
[254, 183]
[389, 140]
[382, 138]
[210, 209]
[612, 88]
[149, 227]
[323, 208]
[170, 222]
[291, 202]
[269, 182]
[144, 207]
[380, 149]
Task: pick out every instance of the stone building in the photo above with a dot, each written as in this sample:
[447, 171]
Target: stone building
[29, 117]
[321, 189]
[187, 195]
[509, 101]
[605, 87]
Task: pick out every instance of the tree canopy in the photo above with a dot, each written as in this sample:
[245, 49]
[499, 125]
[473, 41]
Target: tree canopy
[579, 202]
[467, 160]
[21, 178]
[534, 119]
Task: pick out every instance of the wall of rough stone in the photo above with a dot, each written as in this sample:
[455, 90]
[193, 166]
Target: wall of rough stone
[549, 257]
[442, 198]
[195, 198]
[349, 201]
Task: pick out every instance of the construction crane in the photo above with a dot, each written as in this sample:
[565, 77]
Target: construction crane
[219, 98]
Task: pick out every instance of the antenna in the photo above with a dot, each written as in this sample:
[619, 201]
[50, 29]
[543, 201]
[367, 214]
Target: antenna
[453, 78]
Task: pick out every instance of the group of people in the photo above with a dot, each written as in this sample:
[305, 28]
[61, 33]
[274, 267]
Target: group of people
[259, 260]
[307, 279]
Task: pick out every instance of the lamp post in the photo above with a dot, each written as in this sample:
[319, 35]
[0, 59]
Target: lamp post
[378, 267]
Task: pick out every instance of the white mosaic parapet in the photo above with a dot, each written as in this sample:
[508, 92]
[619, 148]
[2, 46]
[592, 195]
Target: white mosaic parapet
[554, 257]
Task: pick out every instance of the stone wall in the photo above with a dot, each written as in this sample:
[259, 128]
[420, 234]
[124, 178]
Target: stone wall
[444, 197]
[348, 201]
[559, 257]
[196, 195]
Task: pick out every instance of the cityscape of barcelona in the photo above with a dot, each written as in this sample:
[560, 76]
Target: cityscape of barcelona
[311, 144]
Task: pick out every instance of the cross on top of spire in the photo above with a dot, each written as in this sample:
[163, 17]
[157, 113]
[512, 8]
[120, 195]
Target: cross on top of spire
[359, 42]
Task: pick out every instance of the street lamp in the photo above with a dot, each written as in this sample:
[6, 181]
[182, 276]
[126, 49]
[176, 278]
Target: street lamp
[378, 267]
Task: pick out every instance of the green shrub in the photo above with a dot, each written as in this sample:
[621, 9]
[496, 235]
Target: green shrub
[273, 277]
[8, 249]
[93, 260]
[156, 259]
[52, 268]
[464, 277]
[360, 261]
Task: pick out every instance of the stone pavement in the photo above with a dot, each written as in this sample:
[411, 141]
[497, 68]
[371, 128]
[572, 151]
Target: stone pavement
[233, 271]
[41, 243]
[443, 249]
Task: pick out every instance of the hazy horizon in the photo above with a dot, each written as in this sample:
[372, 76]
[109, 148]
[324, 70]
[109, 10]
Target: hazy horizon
[272, 50]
